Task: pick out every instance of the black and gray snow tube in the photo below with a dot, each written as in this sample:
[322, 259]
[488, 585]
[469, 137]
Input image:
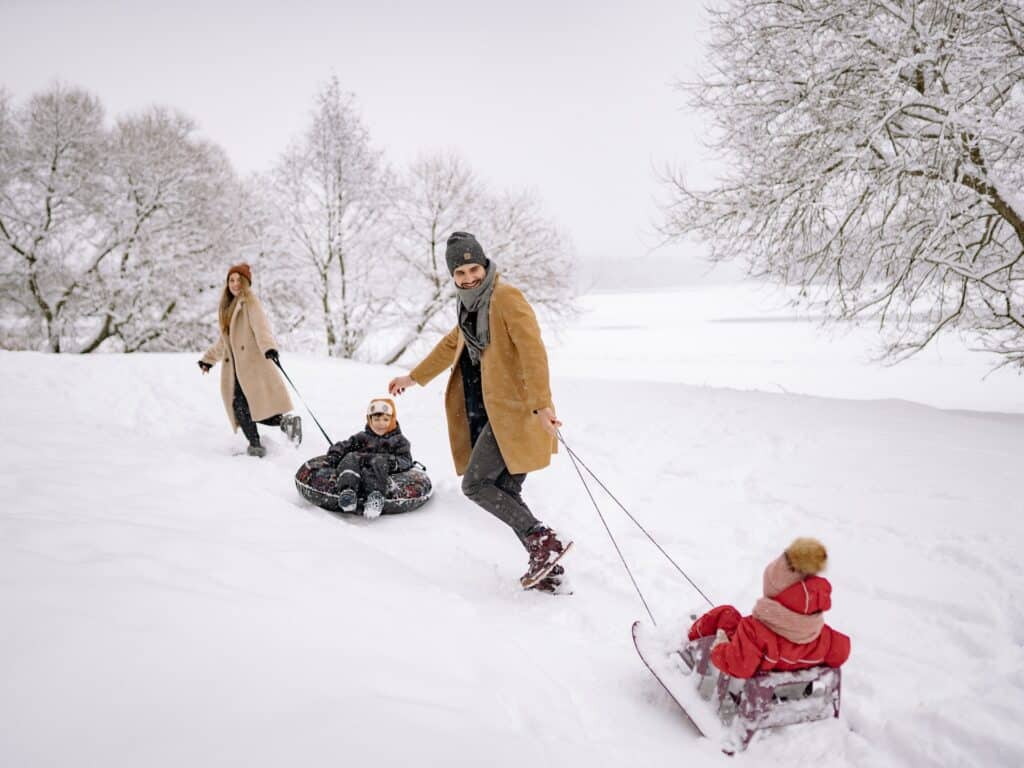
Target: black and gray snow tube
[315, 481]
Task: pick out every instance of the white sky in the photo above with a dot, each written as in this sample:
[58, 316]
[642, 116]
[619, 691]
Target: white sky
[571, 99]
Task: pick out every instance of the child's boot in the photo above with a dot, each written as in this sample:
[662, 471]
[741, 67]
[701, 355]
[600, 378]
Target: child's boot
[348, 500]
[374, 504]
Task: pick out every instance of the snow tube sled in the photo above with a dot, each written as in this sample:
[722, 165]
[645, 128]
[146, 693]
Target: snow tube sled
[410, 490]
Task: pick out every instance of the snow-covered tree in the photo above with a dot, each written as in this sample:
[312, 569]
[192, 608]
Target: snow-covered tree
[53, 153]
[532, 251]
[117, 238]
[875, 154]
[441, 194]
[280, 285]
[329, 191]
[106, 234]
[174, 211]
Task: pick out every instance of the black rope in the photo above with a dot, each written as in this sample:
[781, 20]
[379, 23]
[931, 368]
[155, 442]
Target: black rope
[574, 458]
[278, 364]
[610, 536]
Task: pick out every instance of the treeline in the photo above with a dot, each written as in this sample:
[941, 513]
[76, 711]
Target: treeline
[116, 237]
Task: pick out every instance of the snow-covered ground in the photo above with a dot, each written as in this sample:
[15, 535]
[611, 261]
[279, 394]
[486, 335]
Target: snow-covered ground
[166, 603]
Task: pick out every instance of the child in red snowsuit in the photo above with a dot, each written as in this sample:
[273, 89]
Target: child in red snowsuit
[786, 630]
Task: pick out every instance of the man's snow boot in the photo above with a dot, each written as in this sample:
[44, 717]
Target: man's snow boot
[545, 551]
[255, 449]
[552, 583]
[291, 425]
[374, 505]
[347, 500]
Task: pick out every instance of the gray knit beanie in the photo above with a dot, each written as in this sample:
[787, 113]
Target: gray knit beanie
[463, 248]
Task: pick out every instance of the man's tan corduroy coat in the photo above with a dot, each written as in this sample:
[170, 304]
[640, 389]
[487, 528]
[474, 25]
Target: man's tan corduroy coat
[514, 371]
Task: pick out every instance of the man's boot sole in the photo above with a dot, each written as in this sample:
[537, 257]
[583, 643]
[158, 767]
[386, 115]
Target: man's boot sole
[529, 581]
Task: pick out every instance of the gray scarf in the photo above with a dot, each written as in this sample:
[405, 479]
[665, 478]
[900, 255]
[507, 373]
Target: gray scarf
[477, 300]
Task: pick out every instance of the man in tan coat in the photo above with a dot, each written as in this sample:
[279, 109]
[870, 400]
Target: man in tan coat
[501, 420]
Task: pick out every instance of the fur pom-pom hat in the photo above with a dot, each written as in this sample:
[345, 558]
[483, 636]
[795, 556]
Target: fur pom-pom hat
[807, 556]
[383, 405]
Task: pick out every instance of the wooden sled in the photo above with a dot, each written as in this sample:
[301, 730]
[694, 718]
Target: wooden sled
[740, 707]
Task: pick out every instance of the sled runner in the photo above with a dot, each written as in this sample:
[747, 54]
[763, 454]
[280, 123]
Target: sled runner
[408, 490]
[731, 710]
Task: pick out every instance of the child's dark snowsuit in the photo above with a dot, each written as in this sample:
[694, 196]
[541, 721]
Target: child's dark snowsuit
[365, 460]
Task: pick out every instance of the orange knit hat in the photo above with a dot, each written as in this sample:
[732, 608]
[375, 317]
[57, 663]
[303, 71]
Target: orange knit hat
[243, 269]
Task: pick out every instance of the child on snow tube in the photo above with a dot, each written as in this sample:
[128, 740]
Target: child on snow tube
[373, 469]
[786, 630]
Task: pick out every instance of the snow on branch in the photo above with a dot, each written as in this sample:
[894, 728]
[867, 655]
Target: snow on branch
[875, 159]
[117, 237]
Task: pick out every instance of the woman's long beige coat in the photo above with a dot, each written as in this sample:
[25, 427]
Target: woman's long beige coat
[514, 370]
[241, 350]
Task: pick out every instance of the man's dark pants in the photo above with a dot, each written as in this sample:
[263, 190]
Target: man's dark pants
[487, 482]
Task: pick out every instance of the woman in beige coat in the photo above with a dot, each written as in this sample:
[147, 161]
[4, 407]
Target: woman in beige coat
[249, 383]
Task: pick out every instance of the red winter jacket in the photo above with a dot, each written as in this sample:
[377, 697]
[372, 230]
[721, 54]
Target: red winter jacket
[753, 647]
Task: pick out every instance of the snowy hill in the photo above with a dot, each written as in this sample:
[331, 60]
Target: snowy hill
[166, 603]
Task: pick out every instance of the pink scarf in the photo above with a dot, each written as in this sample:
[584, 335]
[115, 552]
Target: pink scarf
[795, 627]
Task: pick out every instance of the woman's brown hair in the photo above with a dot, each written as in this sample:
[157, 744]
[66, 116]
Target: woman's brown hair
[227, 301]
